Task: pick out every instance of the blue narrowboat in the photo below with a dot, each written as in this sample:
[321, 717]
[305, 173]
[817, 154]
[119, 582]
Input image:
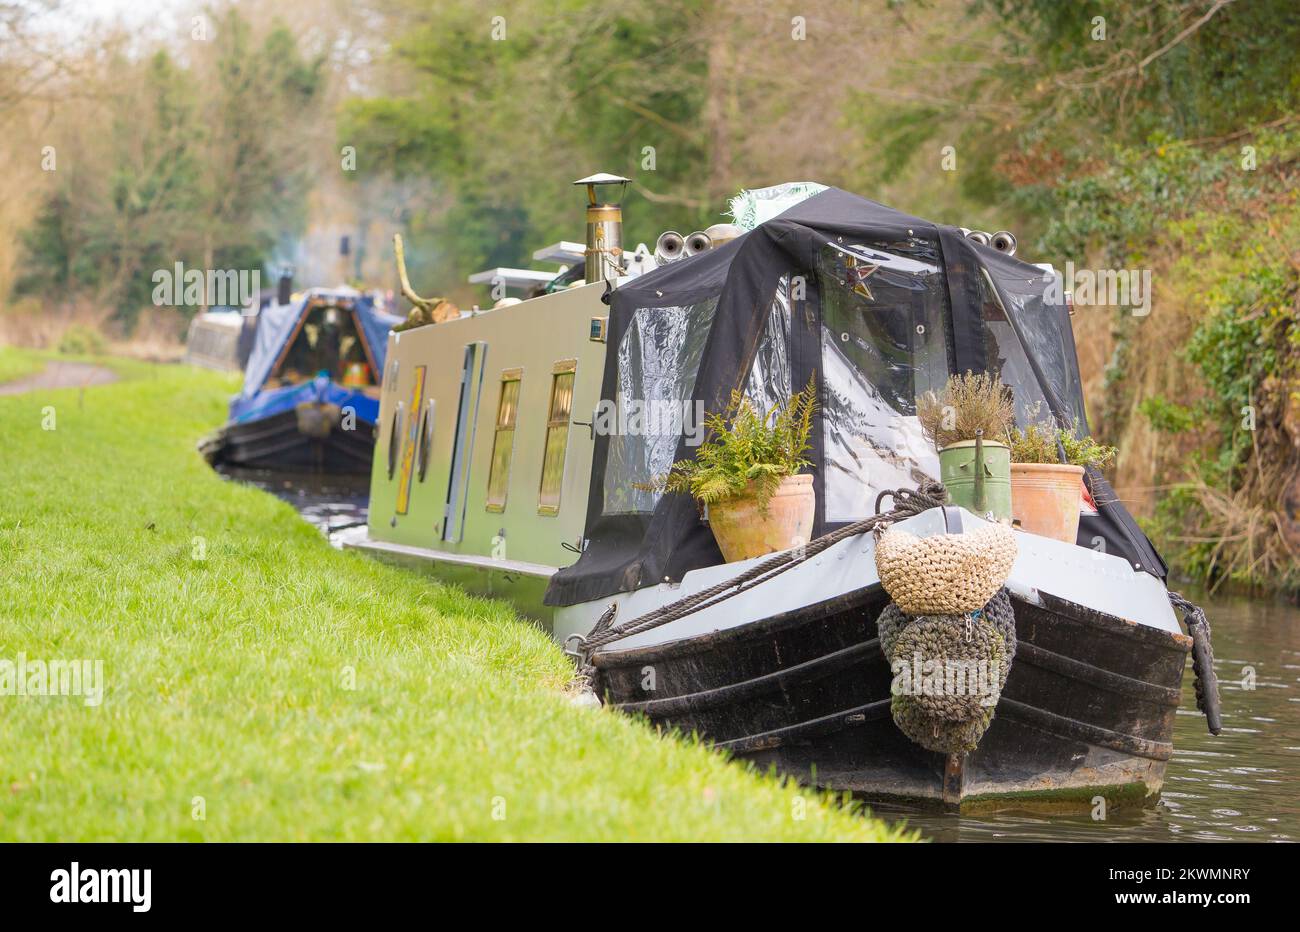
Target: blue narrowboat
[310, 399]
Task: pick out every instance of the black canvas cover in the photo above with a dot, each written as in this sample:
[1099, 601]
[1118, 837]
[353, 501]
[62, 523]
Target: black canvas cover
[878, 307]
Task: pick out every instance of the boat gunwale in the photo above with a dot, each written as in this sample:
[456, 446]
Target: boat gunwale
[711, 640]
[876, 710]
[806, 672]
[1108, 680]
[1022, 713]
[277, 434]
[1072, 729]
[1033, 655]
[1155, 637]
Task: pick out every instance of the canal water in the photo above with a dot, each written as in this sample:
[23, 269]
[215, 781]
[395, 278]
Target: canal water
[335, 505]
[1243, 785]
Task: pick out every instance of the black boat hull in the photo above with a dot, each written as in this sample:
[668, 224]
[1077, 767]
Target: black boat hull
[298, 441]
[1087, 710]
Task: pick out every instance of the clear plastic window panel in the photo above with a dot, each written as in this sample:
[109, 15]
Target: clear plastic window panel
[884, 344]
[770, 380]
[658, 360]
[1007, 358]
[1040, 324]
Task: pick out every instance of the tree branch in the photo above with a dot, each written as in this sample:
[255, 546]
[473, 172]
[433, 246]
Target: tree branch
[1218, 5]
[678, 199]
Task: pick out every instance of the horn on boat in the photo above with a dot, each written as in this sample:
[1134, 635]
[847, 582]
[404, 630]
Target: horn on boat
[1004, 241]
[697, 243]
[669, 247]
[721, 233]
[978, 236]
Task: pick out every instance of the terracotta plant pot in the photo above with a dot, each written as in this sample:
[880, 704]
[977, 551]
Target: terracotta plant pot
[1045, 499]
[743, 531]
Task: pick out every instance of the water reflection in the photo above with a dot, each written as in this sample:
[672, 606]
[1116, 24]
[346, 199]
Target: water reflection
[1236, 787]
[334, 504]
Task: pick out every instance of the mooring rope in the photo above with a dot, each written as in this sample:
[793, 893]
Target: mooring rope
[907, 503]
[1206, 681]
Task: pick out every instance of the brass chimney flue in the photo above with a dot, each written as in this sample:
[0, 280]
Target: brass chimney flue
[604, 252]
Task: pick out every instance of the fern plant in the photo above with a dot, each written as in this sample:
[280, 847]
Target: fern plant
[748, 451]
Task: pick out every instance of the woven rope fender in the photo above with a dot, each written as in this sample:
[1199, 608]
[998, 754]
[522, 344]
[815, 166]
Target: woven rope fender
[948, 672]
[947, 574]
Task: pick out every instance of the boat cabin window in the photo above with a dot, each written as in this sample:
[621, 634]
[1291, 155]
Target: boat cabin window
[884, 344]
[1040, 327]
[327, 341]
[770, 379]
[503, 444]
[658, 360]
[557, 437]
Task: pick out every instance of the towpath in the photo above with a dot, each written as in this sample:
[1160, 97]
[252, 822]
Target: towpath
[60, 375]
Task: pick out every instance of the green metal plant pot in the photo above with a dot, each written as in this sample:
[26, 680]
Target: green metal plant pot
[958, 474]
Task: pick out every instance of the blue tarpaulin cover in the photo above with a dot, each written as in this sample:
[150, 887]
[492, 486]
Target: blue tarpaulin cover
[276, 326]
[319, 390]
[278, 322]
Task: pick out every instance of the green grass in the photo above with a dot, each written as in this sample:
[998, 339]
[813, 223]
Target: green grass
[15, 364]
[225, 676]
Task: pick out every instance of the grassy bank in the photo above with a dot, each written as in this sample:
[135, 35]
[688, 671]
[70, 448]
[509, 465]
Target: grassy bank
[15, 364]
[230, 632]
